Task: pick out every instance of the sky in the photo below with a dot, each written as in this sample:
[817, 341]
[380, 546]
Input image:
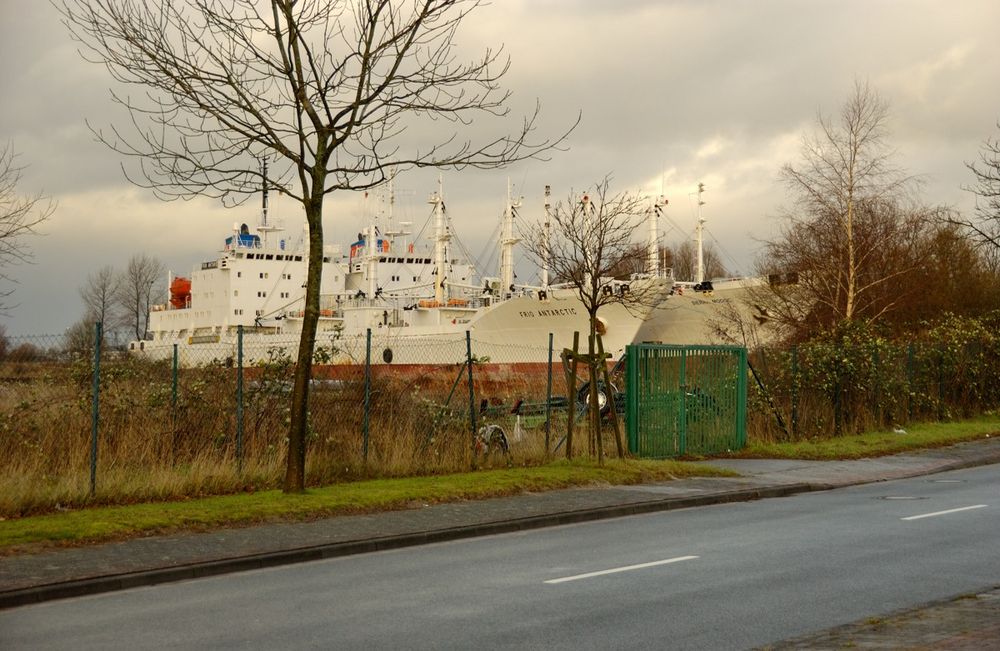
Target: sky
[671, 94]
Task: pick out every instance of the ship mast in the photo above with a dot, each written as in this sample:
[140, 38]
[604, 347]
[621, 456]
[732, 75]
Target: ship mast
[699, 238]
[653, 252]
[372, 249]
[263, 228]
[507, 242]
[546, 233]
[440, 243]
[263, 173]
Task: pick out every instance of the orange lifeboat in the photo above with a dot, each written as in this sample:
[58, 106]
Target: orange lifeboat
[180, 292]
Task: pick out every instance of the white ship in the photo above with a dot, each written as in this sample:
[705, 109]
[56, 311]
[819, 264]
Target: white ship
[418, 303]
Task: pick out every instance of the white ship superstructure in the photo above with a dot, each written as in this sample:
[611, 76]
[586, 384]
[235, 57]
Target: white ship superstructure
[418, 299]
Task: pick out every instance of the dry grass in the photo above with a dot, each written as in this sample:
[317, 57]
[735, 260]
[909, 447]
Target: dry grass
[153, 448]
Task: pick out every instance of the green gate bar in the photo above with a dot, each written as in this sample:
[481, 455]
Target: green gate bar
[685, 399]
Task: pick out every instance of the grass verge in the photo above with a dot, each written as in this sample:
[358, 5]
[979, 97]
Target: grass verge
[103, 524]
[875, 444]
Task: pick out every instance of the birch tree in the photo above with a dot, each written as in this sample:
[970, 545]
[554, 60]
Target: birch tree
[844, 241]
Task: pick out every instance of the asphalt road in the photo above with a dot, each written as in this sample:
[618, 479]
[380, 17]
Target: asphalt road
[731, 576]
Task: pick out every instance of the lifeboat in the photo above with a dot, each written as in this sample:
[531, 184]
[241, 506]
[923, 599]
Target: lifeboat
[180, 293]
[457, 302]
[428, 303]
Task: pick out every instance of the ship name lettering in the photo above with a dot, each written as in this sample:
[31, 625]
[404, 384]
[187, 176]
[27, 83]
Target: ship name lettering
[558, 312]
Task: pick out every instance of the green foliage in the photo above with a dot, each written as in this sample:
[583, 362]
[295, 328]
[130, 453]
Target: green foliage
[856, 377]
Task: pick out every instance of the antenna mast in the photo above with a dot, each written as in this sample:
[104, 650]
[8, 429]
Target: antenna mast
[699, 238]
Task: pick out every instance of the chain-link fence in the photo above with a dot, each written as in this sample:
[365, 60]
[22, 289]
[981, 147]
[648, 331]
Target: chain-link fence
[167, 422]
[174, 420]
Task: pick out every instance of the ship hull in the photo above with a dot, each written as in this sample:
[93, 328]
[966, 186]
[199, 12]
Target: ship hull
[512, 332]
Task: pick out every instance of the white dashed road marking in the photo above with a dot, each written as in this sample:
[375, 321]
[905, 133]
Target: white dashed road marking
[615, 570]
[936, 513]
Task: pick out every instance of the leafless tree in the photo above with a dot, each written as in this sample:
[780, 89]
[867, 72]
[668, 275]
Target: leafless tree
[637, 261]
[79, 338]
[685, 261]
[852, 214]
[138, 288]
[19, 215]
[591, 238]
[338, 93]
[985, 229]
[100, 293]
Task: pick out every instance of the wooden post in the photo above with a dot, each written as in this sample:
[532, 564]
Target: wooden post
[593, 409]
[570, 372]
[619, 443]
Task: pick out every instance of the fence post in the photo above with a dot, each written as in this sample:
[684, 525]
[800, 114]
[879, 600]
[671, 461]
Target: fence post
[173, 382]
[940, 401]
[909, 382]
[368, 390]
[548, 402]
[795, 392]
[95, 413]
[837, 416]
[173, 407]
[472, 393]
[239, 399]
[878, 387]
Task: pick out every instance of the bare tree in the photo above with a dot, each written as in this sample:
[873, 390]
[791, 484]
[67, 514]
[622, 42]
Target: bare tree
[100, 295]
[19, 215]
[637, 261]
[685, 261]
[336, 92]
[138, 288]
[986, 228]
[79, 338]
[591, 239]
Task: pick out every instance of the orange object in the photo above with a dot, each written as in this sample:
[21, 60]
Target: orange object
[180, 292]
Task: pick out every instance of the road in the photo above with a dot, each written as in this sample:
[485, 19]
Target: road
[731, 576]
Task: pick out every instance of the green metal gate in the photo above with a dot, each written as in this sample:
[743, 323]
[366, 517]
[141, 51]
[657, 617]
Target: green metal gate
[685, 399]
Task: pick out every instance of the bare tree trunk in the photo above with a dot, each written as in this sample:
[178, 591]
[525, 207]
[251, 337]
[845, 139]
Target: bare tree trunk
[596, 440]
[295, 469]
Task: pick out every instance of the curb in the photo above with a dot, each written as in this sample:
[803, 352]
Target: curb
[115, 582]
[123, 581]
